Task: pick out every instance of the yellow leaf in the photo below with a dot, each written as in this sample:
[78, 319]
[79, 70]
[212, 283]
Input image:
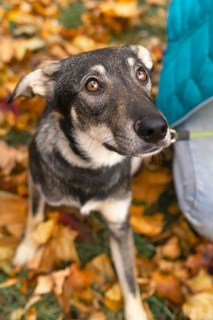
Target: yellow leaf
[103, 266]
[17, 314]
[5, 252]
[43, 232]
[113, 297]
[8, 283]
[201, 282]
[199, 306]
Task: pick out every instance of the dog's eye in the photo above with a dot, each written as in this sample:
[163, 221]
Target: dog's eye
[141, 75]
[92, 86]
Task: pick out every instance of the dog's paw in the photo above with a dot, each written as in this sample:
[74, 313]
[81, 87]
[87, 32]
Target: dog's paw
[136, 313]
[25, 251]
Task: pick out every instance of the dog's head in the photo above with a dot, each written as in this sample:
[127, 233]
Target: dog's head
[104, 94]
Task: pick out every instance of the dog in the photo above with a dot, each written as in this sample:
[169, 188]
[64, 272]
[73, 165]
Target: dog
[98, 124]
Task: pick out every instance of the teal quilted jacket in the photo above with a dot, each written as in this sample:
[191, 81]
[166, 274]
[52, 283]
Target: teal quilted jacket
[186, 79]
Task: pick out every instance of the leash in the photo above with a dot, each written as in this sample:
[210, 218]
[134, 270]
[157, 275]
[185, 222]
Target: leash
[184, 135]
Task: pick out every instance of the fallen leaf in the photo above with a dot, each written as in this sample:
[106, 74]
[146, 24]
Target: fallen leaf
[113, 297]
[168, 287]
[32, 300]
[97, 316]
[34, 263]
[10, 157]
[80, 279]
[156, 2]
[102, 265]
[8, 283]
[7, 50]
[44, 285]
[199, 306]
[31, 314]
[201, 282]
[43, 232]
[148, 225]
[120, 9]
[5, 252]
[58, 279]
[170, 249]
[17, 314]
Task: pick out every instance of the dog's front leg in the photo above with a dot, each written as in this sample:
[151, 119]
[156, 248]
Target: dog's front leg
[123, 253]
[27, 248]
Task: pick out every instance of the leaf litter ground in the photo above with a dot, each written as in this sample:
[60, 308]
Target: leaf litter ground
[72, 275]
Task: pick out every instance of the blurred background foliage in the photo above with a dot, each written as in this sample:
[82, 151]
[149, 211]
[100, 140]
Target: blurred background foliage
[72, 276]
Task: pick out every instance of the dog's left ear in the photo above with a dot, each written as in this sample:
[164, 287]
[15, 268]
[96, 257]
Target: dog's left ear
[144, 55]
[40, 82]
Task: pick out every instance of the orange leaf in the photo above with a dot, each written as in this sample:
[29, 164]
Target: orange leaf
[148, 225]
[80, 279]
[168, 287]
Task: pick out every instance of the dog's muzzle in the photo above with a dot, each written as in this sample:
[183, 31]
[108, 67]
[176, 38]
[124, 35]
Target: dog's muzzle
[152, 128]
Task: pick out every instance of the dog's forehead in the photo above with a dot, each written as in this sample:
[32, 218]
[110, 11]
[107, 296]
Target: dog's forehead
[103, 60]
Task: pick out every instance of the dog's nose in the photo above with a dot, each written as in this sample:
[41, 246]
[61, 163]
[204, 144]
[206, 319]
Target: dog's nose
[151, 128]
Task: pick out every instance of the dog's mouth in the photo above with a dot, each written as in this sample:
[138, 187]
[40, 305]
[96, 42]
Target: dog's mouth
[146, 152]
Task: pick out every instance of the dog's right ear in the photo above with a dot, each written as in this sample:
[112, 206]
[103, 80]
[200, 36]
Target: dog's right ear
[40, 82]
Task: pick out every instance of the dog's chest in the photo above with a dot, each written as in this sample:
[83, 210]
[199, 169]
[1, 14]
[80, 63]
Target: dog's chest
[65, 184]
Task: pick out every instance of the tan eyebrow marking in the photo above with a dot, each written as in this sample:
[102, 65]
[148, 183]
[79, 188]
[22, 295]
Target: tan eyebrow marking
[131, 61]
[99, 68]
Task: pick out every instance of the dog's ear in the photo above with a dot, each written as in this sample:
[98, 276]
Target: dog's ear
[144, 55]
[40, 82]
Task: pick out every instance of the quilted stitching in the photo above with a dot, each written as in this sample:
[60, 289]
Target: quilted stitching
[187, 76]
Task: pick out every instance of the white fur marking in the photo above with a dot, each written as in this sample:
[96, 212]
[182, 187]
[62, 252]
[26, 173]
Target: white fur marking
[114, 211]
[144, 55]
[99, 68]
[131, 61]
